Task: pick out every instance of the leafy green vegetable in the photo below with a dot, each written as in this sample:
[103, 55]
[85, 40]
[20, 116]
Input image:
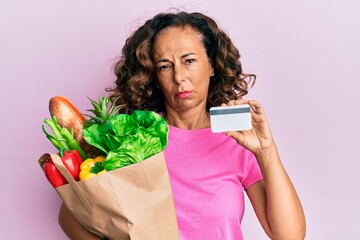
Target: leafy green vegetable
[128, 139]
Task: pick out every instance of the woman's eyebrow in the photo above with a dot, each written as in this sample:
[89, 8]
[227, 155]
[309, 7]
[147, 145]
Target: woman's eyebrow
[162, 60]
[182, 56]
[187, 54]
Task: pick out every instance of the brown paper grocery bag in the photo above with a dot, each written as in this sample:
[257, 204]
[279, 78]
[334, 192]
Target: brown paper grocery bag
[134, 202]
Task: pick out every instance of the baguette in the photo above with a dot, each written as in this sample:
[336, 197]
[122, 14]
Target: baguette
[67, 115]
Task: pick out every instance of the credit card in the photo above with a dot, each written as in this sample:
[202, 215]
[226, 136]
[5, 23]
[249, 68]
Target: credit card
[230, 118]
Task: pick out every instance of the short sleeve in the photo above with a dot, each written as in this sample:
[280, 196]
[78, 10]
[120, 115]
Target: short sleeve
[254, 173]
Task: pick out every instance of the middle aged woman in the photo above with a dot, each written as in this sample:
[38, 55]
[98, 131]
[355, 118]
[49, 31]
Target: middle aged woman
[181, 64]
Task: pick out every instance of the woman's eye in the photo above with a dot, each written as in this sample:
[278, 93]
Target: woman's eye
[189, 61]
[164, 67]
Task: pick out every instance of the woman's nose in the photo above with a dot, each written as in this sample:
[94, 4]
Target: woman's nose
[178, 74]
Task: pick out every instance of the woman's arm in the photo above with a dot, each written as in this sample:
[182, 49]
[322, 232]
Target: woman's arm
[72, 228]
[274, 199]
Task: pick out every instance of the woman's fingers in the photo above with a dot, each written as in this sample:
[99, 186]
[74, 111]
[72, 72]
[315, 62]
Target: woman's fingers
[235, 102]
[238, 136]
[256, 106]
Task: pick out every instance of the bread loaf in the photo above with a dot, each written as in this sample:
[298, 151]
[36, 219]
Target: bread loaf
[67, 116]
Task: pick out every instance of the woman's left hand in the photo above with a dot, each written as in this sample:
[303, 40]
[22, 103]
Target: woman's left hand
[259, 137]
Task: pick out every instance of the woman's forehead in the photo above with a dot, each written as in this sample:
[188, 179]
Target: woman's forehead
[178, 40]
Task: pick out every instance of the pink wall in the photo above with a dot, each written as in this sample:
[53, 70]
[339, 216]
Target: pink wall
[306, 56]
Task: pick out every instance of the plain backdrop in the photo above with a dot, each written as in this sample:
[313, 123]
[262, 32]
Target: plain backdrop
[305, 54]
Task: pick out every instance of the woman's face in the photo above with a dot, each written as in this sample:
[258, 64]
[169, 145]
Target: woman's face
[183, 69]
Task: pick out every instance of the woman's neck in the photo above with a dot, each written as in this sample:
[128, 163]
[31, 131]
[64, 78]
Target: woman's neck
[188, 120]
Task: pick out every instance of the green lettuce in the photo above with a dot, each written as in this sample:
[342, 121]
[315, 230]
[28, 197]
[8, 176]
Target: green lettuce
[128, 139]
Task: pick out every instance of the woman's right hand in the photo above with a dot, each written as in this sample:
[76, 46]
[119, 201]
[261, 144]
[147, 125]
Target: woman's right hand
[259, 137]
[72, 228]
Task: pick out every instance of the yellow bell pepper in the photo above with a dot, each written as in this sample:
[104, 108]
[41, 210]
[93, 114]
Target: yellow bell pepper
[92, 167]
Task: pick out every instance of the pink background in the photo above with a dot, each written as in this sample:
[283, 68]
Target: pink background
[305, 53]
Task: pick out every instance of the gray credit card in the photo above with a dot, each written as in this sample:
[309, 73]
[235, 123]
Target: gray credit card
[230, 118]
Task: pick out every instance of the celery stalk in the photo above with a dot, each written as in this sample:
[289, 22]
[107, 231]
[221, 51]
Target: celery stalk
[57, 134]
[53, 140]
[73, 144]
[62, 137]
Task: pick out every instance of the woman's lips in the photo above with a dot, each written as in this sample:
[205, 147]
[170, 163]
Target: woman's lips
[183, 94]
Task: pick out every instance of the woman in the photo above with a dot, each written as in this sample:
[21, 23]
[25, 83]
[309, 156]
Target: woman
[181, 65]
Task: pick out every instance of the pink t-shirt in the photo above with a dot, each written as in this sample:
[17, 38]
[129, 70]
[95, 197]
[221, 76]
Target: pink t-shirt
[208, 173]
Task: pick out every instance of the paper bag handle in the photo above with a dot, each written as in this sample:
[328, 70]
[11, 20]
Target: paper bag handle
[65, 172]
[75, 186]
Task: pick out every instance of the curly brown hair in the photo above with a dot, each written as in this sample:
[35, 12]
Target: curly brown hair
[136, 83]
